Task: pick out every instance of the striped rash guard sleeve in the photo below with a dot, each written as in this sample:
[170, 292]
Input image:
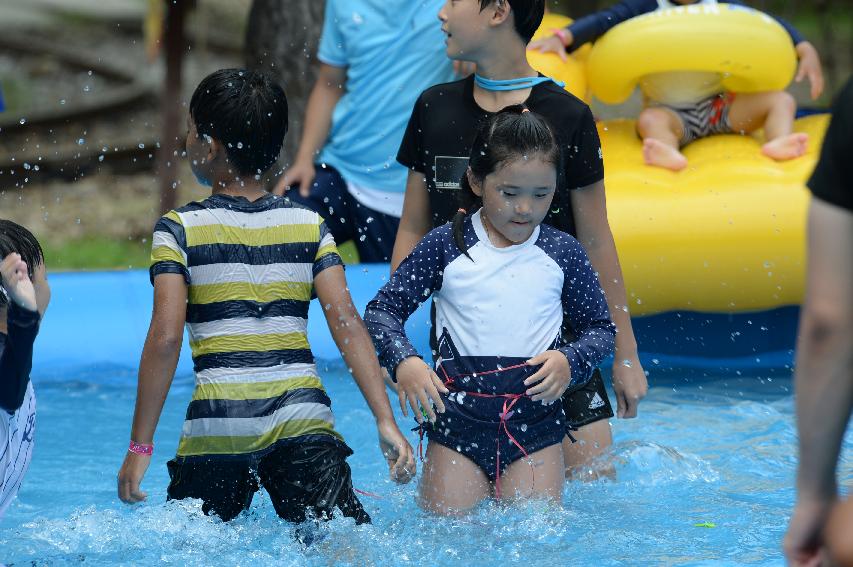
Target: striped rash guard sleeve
[585, 310]
[327, 251]
[415, 280]
[169, 247]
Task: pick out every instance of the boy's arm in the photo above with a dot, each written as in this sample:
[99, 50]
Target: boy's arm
[591, 27]
[593, 231]
[415, 220]
[326, 93]
[351, 336]
[824, 389]
[156, 370]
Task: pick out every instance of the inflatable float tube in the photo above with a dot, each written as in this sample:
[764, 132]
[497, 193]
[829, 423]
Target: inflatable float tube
[751, 50]
[725, 235]
[572, 71]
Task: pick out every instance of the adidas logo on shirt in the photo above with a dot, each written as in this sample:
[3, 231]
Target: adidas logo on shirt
[596, 402]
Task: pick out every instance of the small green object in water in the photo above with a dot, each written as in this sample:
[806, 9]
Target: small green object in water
[426, 420]
[706, 525]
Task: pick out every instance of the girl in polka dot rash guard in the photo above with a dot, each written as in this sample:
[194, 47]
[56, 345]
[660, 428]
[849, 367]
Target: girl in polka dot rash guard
[501, 283]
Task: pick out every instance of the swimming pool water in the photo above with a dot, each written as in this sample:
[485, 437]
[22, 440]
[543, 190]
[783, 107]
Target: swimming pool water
[718, 451]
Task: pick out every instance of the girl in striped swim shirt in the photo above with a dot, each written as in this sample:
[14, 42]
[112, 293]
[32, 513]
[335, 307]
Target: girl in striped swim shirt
[501, 283]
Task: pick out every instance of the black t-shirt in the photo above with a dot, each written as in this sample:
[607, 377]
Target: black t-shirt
[832, 180]
[444, 123]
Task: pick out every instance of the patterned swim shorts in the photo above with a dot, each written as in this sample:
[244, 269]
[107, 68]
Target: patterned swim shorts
[704, 118]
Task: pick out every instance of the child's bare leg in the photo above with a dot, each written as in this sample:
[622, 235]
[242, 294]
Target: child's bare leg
[591, 441]
[775, 111]
[544, 480]
[451, 483]
[661, 131]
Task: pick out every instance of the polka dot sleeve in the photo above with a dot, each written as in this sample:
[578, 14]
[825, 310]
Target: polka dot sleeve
[417, 278]
[585, 309]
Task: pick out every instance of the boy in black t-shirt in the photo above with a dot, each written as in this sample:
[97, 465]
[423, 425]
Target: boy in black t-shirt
[823, 378]
[494, 35]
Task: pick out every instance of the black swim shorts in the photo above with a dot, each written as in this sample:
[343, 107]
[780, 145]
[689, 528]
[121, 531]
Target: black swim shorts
[587, 403]
[304, 480]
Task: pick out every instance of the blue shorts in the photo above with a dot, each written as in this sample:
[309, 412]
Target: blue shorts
[487, 418]
[373, 232]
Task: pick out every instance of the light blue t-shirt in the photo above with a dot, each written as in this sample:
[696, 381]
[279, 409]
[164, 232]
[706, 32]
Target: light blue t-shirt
[393, 50]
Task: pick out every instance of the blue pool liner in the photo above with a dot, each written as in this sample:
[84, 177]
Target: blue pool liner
[100, 319]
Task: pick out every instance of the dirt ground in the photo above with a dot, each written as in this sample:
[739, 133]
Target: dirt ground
[99, 202]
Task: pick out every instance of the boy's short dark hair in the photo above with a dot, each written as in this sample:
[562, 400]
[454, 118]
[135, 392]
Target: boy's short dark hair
[15, 238]
[528, 15]
[246, 111]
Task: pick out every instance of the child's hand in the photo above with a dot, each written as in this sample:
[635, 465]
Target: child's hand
[553, 378]
[16, 281]
[629, 384]
[552, 44]
[810, 67]
[388, 380]
[397, 452]
[300, 172]
[130, 477]
[417, 383]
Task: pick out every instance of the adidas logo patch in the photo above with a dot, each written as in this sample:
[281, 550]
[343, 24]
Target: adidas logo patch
[596, 402]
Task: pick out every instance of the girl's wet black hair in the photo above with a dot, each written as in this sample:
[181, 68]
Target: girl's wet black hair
[512, 133]
[15, 238]
[246, 111]
[527, 15]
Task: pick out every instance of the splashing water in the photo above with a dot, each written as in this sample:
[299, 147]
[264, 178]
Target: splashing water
[720, 454]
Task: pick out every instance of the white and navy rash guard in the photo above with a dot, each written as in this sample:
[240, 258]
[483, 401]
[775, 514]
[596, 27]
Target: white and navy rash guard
[507, 302]
[17, 401]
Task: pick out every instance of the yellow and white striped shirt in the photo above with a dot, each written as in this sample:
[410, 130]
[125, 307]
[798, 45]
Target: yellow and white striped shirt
[250, 268]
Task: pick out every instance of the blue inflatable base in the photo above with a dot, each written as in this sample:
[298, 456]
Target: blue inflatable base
[98, 321]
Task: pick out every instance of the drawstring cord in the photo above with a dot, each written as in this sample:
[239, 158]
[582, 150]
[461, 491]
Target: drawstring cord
[509, 401]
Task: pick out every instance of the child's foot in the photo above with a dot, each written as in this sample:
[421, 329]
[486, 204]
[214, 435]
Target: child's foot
[659, 154]
[787, 147]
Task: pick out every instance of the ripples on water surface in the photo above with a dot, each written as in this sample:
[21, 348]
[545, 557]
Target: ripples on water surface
[715, 452]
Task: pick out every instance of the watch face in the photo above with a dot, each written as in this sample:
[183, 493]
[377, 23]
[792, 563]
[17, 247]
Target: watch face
[449, 171]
